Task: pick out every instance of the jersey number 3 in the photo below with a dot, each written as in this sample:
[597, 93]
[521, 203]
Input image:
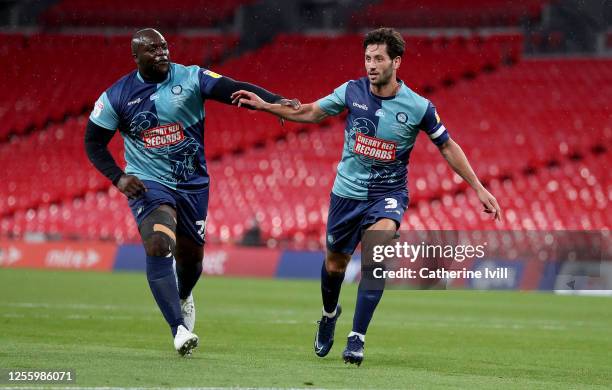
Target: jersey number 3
[391, 203]
[201, 228]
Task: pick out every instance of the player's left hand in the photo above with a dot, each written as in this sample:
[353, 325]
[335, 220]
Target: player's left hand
[490, 204]
[247, 98]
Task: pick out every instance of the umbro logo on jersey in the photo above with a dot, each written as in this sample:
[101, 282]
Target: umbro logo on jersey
[380, 113]
[134, 102]
[362, 106]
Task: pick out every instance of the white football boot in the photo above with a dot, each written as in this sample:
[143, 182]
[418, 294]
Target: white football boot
[185, 341]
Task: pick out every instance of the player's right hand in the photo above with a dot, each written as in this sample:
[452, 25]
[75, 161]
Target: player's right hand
[490, 204]
[131, 186]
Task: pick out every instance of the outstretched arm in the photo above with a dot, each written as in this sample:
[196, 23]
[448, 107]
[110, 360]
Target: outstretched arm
[305, 113]
[225, 87]
[457, 160]
[432, 125]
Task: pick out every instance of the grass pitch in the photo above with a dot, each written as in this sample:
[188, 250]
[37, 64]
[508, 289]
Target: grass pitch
[259, 333]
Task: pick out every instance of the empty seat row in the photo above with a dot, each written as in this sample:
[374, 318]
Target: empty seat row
[64, 74]
[117, 13]
[448, 13]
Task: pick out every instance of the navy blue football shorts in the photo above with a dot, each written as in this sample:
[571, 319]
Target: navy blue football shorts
[191, 208]
[348, 218]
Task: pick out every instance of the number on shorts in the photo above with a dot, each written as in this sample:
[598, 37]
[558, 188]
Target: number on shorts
[391, 203]
[202, 228]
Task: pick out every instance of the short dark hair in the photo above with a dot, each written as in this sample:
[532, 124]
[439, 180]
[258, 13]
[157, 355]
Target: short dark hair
[390, 37]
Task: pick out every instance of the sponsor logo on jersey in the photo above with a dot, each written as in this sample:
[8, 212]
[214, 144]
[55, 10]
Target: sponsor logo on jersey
[164, 135]
[362, 106]
[98, 107]
[177, 89]
[401, 117]
[212, 74]
[136, 101]
[376, 148]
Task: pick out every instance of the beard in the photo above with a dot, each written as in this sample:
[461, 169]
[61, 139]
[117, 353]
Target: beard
[160, 70]
[384, 78]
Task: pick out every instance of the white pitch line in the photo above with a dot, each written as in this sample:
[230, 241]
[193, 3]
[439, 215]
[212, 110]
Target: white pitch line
[75, 306]
[157, 388]
[73, 317]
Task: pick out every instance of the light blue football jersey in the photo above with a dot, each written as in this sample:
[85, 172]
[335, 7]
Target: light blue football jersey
[379, 136]
[162, 124]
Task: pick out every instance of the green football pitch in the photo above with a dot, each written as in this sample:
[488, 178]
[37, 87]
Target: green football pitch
[258, 333]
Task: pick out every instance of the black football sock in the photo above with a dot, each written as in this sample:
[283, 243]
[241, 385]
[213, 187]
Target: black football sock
[367, 300]
[188, 276]
[331, 283]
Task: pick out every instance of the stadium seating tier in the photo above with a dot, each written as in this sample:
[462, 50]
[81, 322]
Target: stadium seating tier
[118, 13]
[523, 127]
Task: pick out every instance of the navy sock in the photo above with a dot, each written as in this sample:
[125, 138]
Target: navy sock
[188, 276]
[163, 286]
[330, 288]
[367, 300]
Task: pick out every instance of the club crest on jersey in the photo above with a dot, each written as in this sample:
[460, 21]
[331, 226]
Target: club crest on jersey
[401, 117]
[164, 135]
[177, 89]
